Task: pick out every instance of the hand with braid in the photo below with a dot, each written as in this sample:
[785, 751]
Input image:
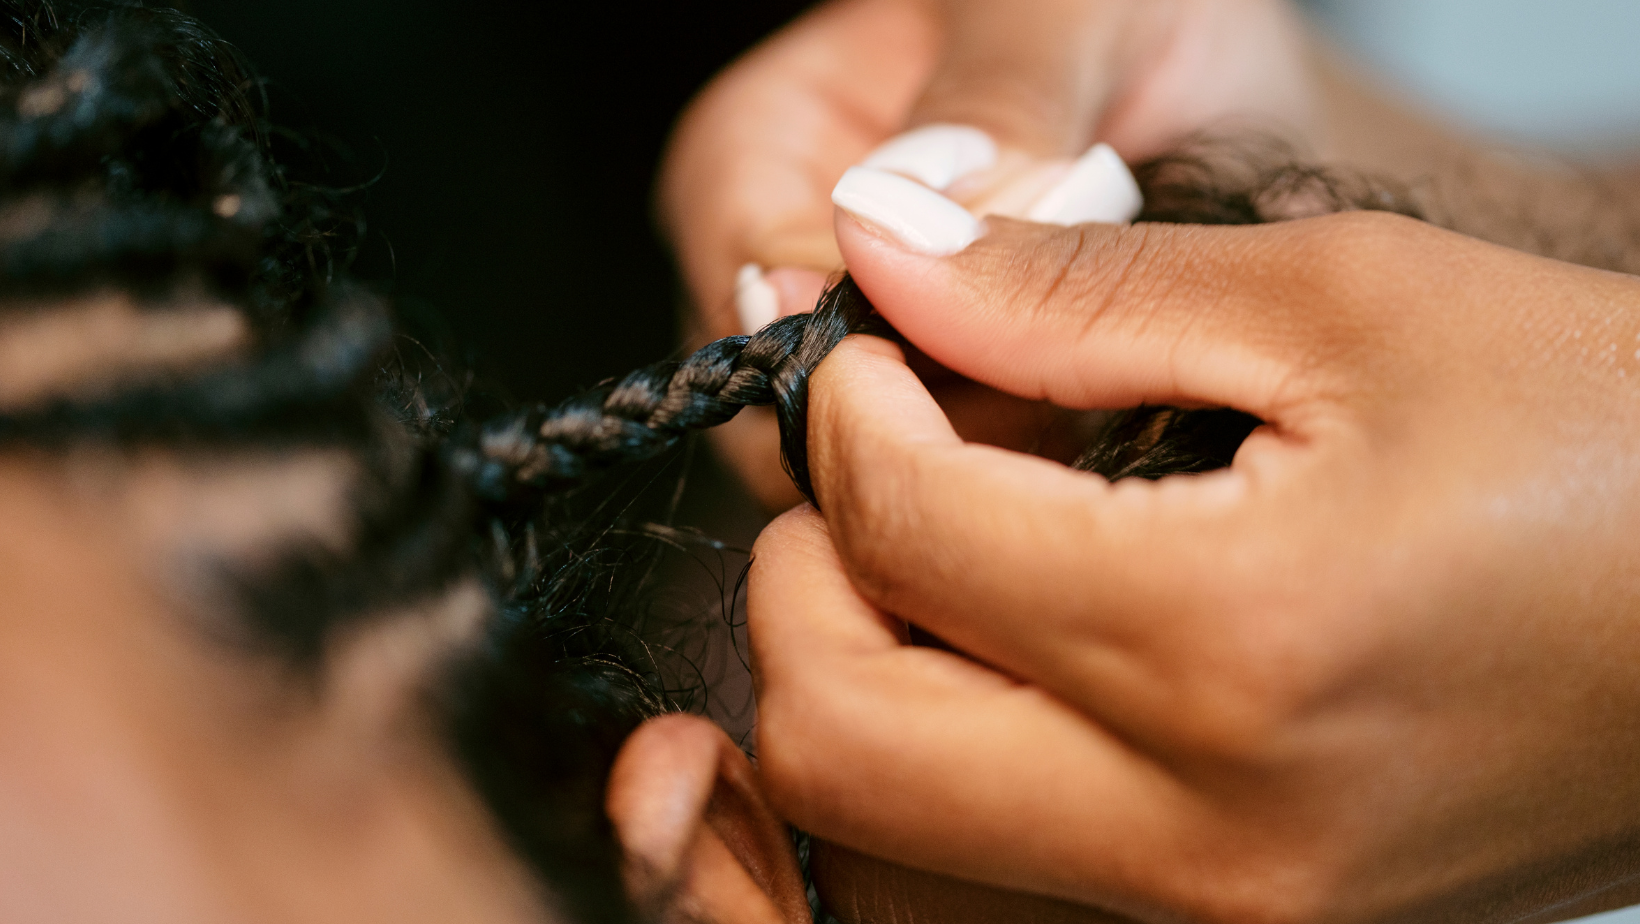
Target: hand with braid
[1385, 666]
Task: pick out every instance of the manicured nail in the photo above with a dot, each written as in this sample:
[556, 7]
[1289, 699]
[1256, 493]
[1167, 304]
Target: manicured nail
[936, 155]
[756, 301]
[1099, 188]
[918, 217]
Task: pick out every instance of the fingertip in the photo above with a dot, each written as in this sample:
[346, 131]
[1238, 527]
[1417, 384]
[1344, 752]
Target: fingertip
[677, 740]
[757, 303]
[920, 294]
[657, 791]
[798, 289]
[1012, 311]
[936, 155]
[1099, 187]
[790, 540]
[799, 523]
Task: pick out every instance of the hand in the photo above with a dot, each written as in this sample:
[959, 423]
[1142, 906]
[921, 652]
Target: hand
[750, 171]
[1383, 667]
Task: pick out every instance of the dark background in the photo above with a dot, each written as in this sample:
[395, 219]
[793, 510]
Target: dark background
[517, 144]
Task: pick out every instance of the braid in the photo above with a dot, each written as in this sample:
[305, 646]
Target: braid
[648, 411]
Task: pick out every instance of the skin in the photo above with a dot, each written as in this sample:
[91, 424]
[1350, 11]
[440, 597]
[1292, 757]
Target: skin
[747, 179]
[148, 771]
[153, 768]
[1379, 669]
[749, 171]
[703, 843]
[251, 799]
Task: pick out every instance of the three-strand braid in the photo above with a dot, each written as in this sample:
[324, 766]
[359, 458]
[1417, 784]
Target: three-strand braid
[647, 412]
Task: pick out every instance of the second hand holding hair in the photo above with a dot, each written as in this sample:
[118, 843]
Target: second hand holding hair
[984, 92]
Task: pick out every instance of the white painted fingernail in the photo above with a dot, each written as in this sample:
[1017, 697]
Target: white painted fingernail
[936, 155]
[918, 217]
[1099, 188]
[757, 302]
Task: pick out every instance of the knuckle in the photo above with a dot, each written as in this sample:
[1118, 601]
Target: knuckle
[1245, 698]
[1336, 251]
[1239, 714]
[873, 517]
[1081, 278]
[1260, 671]
[1144, 279]
[1344, 303]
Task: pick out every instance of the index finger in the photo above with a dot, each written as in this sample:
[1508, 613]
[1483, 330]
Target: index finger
[1051, 574]
[927, 759]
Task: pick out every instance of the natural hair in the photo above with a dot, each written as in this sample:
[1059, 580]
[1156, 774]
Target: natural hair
[135, 157]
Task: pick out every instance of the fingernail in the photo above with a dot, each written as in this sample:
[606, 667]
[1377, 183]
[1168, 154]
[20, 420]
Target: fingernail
[918, 217]
[756, 301]
[1098, 188]
[935, 155]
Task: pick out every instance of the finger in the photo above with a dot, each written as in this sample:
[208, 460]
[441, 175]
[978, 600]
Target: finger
[747, 173]
[798, 289]
[926, 759]
[696, 829]
[1051, 574]
[1114, 317]
[1006, 119]
[1035, 75]
[658, 813]
[748, 170]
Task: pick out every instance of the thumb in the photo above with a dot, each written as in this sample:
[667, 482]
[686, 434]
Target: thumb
[1103, 316]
